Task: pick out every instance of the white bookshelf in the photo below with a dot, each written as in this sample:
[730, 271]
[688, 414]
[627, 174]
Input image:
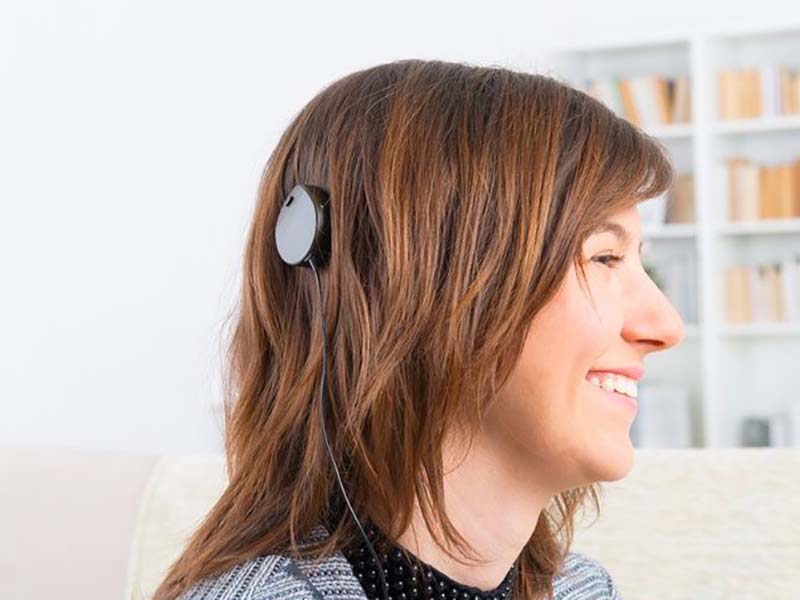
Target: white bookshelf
[730, 370]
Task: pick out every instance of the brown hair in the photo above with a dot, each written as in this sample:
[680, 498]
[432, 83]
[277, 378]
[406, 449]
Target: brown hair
[459, 196]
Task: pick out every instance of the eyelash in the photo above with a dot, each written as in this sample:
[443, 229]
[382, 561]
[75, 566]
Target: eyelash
[610, 258]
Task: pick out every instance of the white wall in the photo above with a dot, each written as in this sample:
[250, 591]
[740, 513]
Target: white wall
[132, 137]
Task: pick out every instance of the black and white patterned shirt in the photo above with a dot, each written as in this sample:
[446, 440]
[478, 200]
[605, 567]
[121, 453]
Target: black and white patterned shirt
[278, 577]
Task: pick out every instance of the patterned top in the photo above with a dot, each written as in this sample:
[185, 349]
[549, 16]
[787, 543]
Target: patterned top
[278, 577]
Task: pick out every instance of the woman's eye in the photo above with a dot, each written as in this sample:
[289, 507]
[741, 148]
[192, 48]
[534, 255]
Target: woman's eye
[610, 259]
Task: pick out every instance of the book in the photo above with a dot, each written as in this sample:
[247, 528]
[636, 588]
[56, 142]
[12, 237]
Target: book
[645, 100]
[680, 200]
[765, 292]
[760, 191]
[682, 103]
[754, 431]
[768, 89]
[790, 287]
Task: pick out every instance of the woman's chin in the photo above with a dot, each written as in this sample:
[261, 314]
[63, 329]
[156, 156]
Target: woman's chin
[615, 461]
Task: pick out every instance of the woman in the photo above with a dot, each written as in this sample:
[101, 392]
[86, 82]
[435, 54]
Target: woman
[484, 287]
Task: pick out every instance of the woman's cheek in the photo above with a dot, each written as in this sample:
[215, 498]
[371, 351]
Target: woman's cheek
[602, 311]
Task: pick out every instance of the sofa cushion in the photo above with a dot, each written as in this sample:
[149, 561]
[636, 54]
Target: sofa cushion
[181, 491]
[701, 523]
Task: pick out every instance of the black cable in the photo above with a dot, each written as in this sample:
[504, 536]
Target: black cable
[322, 402]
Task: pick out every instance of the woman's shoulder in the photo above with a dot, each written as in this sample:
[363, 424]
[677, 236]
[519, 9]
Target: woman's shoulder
[280, 577]
[584, 578]
[254, 579]
[277, 576]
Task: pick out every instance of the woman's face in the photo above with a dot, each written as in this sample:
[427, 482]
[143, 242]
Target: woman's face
[551, 421]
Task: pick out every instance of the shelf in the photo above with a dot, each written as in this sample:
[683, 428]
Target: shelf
[642, 42]
[761, 329]
[763, 227]
[725, 367]
[669, 230]
[672, 131]
[757, 125]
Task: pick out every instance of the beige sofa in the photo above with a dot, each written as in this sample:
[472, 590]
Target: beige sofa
[689, 524]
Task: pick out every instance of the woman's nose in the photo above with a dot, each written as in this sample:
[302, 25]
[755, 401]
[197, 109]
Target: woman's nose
[650, 318]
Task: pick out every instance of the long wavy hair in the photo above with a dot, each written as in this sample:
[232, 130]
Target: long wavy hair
[460, 194]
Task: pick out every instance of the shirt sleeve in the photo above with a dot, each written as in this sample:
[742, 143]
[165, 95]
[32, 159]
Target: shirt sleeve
[613, 590]
[586, 577]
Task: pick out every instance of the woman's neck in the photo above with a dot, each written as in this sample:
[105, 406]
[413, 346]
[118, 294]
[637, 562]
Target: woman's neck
[489, 500]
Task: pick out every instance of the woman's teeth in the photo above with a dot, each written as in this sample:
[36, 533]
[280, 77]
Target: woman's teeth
[615, 383]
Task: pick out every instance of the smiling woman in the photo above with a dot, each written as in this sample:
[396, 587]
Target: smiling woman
[489, 315]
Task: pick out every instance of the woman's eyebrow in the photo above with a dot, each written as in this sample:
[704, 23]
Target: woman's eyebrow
[618, 230]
